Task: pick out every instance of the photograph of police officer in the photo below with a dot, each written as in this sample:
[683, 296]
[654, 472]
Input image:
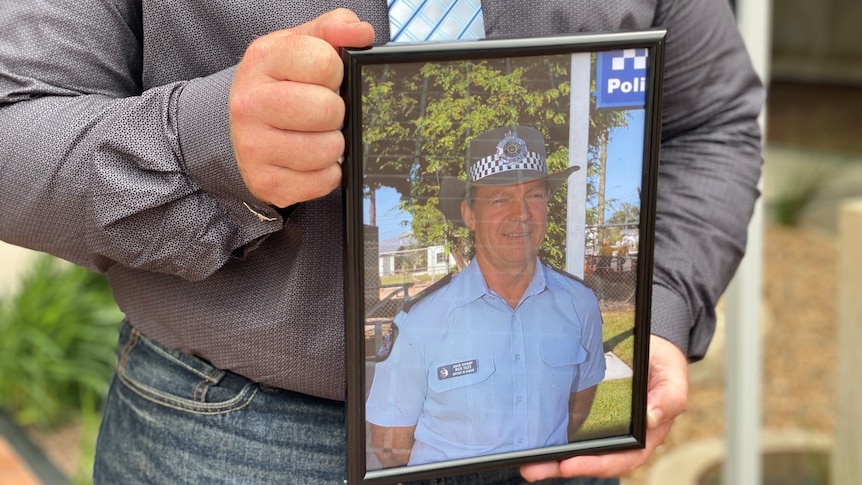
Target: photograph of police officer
[506, 354]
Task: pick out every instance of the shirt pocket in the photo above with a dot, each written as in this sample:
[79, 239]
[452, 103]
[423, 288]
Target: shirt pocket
[559, 351]
[562, 355]
[464, 410]
[179, 381]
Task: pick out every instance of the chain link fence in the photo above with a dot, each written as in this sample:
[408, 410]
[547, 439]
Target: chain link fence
[610, 270]
[611, 262]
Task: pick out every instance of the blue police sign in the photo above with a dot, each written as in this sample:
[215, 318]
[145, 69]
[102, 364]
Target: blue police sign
[621, 78]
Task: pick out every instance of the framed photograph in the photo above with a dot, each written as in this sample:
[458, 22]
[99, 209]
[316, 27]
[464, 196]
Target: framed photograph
[500, 208]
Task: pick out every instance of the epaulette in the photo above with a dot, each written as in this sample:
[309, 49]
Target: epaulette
[427, 291]
[569, 275]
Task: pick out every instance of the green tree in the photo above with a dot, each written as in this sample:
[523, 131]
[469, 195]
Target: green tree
[385, 138]
[626, 216]
[420, 118]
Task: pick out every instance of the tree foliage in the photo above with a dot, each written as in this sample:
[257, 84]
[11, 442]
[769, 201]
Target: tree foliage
[419, 119]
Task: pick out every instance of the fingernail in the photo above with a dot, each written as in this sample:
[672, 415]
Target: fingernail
[340, 160]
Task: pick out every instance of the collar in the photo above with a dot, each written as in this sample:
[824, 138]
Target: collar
[472, 286]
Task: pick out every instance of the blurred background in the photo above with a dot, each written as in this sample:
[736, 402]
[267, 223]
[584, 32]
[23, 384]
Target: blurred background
[58, 323]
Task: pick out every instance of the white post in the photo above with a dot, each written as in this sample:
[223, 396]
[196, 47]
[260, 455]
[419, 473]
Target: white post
[744, 299]
[743, 365]
[847, 450]
[579, 129]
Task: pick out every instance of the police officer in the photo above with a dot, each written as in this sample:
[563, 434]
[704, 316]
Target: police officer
[505, 355]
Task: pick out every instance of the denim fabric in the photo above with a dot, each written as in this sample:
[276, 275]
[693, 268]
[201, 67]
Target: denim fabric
[171, 418]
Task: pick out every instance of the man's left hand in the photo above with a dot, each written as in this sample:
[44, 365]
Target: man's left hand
[666, 399]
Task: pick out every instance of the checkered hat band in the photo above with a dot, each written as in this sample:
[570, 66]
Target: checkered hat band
[496, 164]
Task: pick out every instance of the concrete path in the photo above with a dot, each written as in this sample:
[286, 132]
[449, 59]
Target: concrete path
[13, 469]
[21, 461]
[616, 368]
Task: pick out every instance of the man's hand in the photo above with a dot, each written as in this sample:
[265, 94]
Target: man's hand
[285, 111]
[666, 399]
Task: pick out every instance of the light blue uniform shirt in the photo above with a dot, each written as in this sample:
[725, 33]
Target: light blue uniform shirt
[477, 377]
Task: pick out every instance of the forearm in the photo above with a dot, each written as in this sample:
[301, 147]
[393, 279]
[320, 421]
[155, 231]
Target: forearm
[392, 445]
[580, 404]
[100, 181]
[99, 172]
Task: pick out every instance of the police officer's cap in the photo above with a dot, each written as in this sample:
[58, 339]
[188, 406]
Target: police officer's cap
[504, 156]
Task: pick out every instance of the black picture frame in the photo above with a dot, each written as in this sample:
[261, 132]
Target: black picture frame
[413, 111]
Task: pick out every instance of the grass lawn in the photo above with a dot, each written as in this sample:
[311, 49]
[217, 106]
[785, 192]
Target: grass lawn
[612, 408]
[408, 278]
[618, 334]
[611, 413]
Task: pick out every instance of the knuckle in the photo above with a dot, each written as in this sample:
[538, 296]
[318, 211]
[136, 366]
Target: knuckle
[333, 112]
[335, 147]
[245, 146]
[259, 49]
[342, 13]
[316, 190]
[240, 103]
[325, 62]
[329, 180]
[261, 184]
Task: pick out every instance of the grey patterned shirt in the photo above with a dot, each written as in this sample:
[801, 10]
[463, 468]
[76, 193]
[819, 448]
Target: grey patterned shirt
[115, 154]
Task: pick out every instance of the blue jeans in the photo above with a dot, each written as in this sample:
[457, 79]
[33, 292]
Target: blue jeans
[171, 418]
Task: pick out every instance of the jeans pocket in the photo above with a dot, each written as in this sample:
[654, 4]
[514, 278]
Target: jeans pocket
[177, 380]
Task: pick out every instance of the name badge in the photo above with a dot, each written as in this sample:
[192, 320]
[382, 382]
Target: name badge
[459, 369]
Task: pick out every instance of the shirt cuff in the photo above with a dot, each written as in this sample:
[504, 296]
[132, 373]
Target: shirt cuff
[671, 319]
[203, 126]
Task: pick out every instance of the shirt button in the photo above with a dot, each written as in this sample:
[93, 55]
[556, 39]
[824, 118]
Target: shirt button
[519, 399]
[517, 356]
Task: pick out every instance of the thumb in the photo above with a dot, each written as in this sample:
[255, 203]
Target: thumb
[340, 28]
[668, 382]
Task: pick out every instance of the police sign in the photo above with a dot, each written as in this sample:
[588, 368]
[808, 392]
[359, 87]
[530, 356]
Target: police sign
[621, 78]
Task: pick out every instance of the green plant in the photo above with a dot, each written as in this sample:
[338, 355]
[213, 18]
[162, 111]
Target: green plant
[57, 350]
[803, 189]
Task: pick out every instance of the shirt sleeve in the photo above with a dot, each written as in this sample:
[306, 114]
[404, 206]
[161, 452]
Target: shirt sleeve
[592, 370]
[100, 171]
[710, 165]
[400, 382]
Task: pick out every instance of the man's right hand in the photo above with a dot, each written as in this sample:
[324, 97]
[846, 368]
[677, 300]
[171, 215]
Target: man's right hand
[285, 111]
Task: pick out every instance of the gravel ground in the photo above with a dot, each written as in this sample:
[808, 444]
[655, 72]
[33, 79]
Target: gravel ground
[798, 385]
